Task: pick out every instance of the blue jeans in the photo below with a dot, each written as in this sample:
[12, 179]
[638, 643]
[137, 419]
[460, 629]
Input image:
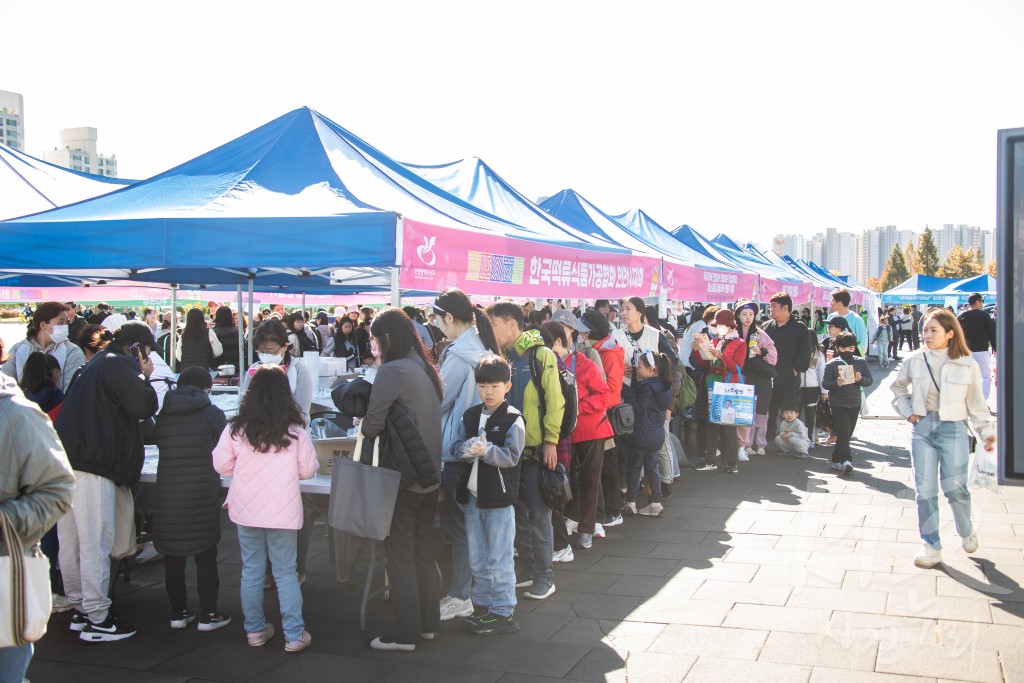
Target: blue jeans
[648, 462]
[14, 662]
[534, 533]
[491, 533]
[939, 453]
[455, 525]
[256, 544]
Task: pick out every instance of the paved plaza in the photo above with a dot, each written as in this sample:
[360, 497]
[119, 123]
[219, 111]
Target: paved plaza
[787, 571]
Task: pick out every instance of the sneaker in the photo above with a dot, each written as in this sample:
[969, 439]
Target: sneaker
[563, 555]
[847, 467]
[540, 590]
[742, 456]
[106, 631]
[211, 621]
[78, 621]
[652, 510]
[732, 469]
[598, 531]
[182, 619]
[259, 638]
[523, 580]
[928, 557]
[571, 526]
[147, 554]
[751, 450]
[492, 624]
[971, 543]
[478, 614]
[301, 644]
[760, 451]
[60, 603]
[666, 491]
[428, 636]
[455, 607]
[630, 508]
[838, 466]
[614, 520]
[830, 441]
[586, 541]
[379, 643]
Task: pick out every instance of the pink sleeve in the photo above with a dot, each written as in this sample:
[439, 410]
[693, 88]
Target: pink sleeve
[765, 342]
[307, 461]
[224, 453]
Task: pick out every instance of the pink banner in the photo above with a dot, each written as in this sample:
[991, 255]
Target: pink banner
[800, 292]
[434, 258]
[684, 283]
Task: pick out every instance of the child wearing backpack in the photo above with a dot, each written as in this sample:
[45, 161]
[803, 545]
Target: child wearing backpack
[188, 497]
[490, 442]
[266, 451]
[650, 397]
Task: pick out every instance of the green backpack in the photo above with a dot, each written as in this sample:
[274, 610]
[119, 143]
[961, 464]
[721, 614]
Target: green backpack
[687, 394]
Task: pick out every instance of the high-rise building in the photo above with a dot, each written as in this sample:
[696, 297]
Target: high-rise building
[793, 246]
[77, 151]
[840, 252]
[12, 120]
[988, 245]
[964, 236]
[814, 249]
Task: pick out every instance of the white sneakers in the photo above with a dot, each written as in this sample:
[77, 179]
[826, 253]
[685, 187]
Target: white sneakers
[928, 556]
[563, 555]
[846, 467]
[599, 529]
[454, 607]
[571, 526]
[630, 508]
[652, 510]
[971, 543]
[742, 455]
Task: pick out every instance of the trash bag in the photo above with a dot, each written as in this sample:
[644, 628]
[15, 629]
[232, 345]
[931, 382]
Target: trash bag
[554, 487]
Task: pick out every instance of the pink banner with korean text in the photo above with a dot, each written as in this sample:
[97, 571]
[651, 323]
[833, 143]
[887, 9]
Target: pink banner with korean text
[800, 292]
[688, 283]
[434, 258]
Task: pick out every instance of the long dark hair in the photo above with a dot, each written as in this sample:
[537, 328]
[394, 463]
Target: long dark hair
[455, 301]
[662, 364]
[94, 338]
[267, 411]
[396, 337]
[195, 327]
[38, 372]
[640, 306]
[223, 317]
[273, 330]
[305, 343]
[44, 313]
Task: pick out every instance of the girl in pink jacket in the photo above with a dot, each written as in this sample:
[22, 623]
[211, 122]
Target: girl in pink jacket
[266, 451]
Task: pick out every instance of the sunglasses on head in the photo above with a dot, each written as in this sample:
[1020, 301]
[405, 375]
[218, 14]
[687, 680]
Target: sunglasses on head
[438, 309]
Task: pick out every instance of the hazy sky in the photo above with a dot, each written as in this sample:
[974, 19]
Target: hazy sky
[745, 117]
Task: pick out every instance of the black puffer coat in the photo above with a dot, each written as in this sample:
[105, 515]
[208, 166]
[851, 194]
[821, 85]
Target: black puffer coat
[402, 448]
[188, 491]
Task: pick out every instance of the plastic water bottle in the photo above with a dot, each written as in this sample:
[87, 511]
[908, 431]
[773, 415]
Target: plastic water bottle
[752, 344]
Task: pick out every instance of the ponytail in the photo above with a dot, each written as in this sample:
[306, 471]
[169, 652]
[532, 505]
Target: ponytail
[664, 367]
[486, 331]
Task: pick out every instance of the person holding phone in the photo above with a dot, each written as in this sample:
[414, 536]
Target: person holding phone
[100, 427]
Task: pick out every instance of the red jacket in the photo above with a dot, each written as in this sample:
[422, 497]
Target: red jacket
[613, 358]
[593, 394]
[735, 354]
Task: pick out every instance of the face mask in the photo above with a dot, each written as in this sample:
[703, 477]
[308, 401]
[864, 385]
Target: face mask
[846, 355]
[723, 330]
[271, 359]
[59, 334]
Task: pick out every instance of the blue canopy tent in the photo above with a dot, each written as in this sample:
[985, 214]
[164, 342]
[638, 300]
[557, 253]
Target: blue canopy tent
[756, 260]
[29, 185]
[985, 285]
[919, 289]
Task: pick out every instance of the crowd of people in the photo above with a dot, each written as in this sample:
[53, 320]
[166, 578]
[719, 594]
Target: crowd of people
[506, 407]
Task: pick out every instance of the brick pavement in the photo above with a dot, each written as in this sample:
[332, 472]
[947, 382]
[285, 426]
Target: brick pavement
[785, 572]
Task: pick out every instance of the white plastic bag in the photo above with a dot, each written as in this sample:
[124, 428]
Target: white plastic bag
[984, 465]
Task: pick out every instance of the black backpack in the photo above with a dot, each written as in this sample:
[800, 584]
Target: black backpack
[567, 381]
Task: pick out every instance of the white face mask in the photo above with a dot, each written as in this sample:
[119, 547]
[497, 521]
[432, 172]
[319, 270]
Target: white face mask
[723, 330]
[271, 359]
[59, 334]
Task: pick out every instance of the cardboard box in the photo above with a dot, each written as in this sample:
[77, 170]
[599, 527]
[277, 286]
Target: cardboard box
[327, 449]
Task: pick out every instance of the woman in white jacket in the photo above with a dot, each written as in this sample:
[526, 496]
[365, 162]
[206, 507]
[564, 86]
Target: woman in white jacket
[938, 389]
[472, 338]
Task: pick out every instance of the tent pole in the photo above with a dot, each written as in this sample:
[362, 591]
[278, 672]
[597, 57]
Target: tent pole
[241, 335]
[174, 325]
[396, 293]
[303, 304]
[252, 319]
